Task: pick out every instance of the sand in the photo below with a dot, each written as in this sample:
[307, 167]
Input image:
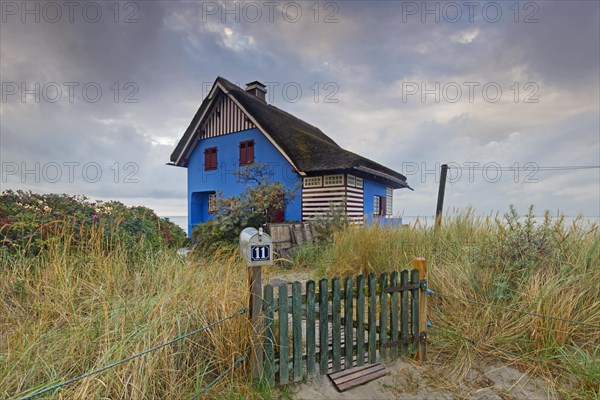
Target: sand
[411, 381]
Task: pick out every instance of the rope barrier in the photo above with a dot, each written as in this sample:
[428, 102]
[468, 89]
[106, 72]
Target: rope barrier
[160, 346]
[571, 321]
[218, 378]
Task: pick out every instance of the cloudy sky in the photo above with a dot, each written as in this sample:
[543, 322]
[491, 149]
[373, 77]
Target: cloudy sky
[95, 95]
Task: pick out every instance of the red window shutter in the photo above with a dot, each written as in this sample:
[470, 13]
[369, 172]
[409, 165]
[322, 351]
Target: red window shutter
[250, 153]
[382, 205]
[214, 158]
[210, 158]
[243, 156]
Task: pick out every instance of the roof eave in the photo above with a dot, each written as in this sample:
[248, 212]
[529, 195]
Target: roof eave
[399, 183]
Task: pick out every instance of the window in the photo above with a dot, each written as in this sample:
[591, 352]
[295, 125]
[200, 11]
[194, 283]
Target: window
[313, 181]
[212, 203]
[334, 180]
[379, 205]
[210, 158]
[351, 180]
[376, 205]
[359, 182]
[389, 197]
[247, 152]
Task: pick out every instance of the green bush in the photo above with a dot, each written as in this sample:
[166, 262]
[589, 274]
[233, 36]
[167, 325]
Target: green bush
[30, 222]
[521, 247]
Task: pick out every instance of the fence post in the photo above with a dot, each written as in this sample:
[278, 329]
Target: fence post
[441, 192]
[269, 363]
[256, 300]
[420, 264]
[256, 249]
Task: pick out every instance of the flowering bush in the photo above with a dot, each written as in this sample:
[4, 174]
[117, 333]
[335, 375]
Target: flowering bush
[29, 222]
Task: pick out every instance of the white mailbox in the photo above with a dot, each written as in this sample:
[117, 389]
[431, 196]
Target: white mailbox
[256, 247]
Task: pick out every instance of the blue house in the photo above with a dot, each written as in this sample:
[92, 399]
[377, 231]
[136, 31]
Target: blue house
[235, 127]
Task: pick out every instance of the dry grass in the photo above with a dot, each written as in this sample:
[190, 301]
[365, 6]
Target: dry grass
[71, 311]
[547, 267]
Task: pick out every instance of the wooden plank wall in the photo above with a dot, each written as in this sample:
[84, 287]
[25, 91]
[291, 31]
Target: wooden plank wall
[287, 236]
[316, 200]
[225, 117]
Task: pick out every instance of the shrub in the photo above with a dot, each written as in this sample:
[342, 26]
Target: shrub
[29, 222]
[331, 222]
[522, 245]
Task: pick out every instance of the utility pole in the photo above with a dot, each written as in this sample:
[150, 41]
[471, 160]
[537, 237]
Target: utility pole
[441, 191]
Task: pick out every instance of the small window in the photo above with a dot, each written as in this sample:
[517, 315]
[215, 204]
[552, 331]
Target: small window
[210, 158]
[313, 181]
[212, 203]
[247, 152]
[351, 180]
[334, 180]
[389, 198]
[359, 182]
[376, 205]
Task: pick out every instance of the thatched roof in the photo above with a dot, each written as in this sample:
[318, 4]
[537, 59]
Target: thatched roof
[310, 150]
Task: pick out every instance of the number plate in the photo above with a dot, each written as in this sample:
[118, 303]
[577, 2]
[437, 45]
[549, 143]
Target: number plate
[260, 253]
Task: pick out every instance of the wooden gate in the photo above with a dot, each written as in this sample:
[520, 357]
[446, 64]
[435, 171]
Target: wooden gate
[310, 330]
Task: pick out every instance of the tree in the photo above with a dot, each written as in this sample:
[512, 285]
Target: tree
[256, 206]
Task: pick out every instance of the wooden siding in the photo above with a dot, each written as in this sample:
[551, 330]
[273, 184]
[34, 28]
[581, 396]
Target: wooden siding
[316, 201]
[226, 117]
[354, 203]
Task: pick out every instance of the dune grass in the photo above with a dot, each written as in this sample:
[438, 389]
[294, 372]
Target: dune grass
[78, 307]
[506, 264]
[72, 310]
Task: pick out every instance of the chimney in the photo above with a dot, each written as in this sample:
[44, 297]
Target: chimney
[257, 89]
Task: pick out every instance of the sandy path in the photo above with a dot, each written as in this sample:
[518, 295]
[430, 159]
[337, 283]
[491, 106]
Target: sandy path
[407, 380]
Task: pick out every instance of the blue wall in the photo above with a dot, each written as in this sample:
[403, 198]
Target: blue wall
[371, 189]
[201, 182]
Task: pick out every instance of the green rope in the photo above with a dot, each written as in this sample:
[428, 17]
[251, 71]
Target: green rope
[97, 371]
[218, 378]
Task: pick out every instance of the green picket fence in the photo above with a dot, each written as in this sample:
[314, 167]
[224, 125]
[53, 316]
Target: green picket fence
[310, 331]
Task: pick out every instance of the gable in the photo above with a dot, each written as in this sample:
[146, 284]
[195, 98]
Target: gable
[225, 117]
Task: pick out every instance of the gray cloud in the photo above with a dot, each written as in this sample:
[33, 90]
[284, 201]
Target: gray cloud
[373, 49]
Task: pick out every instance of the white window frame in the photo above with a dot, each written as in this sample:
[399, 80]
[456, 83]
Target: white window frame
[212, 203]
[359, 182]
[312, 181]
[376, 205]
[351, 181]
[339, 180]
[388, 201]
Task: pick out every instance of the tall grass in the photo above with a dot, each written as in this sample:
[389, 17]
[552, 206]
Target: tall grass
[548, 267]
[79, 307]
